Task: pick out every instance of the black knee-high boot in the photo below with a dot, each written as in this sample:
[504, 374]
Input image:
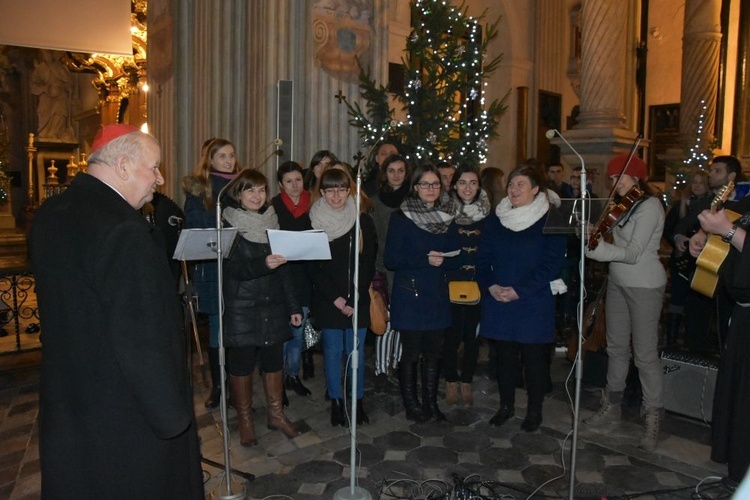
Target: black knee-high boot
[430, 380]
[407, 380]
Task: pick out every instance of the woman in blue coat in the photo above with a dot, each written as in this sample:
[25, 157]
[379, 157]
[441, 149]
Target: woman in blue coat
[418, 235]
[515, 263]
[218, 166]
[472, 209]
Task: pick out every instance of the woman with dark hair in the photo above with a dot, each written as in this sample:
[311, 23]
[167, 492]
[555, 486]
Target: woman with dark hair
[472, 207]
[259, 306]
[318, 163]
[515, 264]
[493, 184]
[418, 236]
[292, 206]
[392, 189]
[218, 166]
[635, 292]
[334, 284]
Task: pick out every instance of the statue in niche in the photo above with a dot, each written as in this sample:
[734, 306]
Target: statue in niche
[51, 82]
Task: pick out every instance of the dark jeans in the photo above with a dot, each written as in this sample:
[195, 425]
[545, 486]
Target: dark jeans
[463, 329]
[536, 371]
[241, 360]
[427, 343]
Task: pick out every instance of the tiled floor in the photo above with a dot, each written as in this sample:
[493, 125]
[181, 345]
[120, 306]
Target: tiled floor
[399, 459]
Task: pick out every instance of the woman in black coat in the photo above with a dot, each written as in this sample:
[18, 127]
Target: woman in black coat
[259, 305]
[333, 286]
[292, 206]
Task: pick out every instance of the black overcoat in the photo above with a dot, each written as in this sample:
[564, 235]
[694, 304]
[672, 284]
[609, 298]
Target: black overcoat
[115, 417]
[335, 278]
[258, 301]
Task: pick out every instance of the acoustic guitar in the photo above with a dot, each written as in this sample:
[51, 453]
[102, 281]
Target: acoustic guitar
[706, 276]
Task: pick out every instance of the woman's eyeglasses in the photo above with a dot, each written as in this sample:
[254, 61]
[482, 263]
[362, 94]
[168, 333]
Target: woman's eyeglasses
[339, 191]
[428, 185]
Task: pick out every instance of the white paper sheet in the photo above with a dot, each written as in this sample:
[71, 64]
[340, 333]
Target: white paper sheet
[300, 245]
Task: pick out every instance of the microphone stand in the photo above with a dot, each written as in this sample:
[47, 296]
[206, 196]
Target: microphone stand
[581, 289]
[354, 492]
[222, 361]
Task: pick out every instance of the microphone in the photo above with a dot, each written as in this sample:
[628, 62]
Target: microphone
[550, 134]
[278, 141]
[174, 221]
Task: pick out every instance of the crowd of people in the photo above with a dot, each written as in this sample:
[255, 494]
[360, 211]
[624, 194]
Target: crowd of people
[416, 231]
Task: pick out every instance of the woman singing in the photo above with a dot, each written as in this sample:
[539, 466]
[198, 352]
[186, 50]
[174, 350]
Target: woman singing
[260, 305]
[292, 206]
[472, 207]
[635, 291]
[334, 282]
[515, 263]
[418, 235]
[218, 166]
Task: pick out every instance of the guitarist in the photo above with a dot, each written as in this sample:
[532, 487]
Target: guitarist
[699, 309]
[731, 409]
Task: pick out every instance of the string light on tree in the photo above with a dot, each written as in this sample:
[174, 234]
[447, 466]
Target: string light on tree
[444, 98]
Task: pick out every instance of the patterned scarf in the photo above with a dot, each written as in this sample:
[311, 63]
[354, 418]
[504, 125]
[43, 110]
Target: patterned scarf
[435, 220]
[300, 208]
[520, 218]
[470, 213]
[252, 225]
[335, 223]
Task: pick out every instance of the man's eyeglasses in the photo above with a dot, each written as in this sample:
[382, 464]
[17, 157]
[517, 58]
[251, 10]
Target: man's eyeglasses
[428, 185]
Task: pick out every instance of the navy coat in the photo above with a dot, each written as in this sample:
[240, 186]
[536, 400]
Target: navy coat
[420, 291]
[205, 273]
[526, 260]
[115, 401]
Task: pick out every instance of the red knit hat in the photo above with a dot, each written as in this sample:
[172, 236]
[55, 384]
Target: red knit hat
[109, 133]
[636, 168]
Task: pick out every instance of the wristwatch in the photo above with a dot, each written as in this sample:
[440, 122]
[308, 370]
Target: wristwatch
[727, 238]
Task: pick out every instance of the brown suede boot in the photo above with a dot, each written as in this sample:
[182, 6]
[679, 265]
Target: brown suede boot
[242, 391]
[273, 384]
[451, 393]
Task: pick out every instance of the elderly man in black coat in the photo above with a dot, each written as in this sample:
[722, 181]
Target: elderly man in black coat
[115, 418]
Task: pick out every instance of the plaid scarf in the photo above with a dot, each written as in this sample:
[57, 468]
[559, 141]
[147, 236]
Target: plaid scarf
[435, 220]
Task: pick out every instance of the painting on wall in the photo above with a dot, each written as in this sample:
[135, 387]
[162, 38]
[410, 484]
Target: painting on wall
[664, 120]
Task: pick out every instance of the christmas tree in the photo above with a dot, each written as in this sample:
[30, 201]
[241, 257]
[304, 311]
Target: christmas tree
[442, 99]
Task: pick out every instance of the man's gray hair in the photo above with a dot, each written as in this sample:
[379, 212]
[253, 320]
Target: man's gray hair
[130, 145]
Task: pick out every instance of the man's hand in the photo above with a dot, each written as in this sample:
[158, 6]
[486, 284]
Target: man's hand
[697, 242]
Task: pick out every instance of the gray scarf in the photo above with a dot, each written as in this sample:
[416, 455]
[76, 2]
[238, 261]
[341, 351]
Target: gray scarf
[252, 225]
[470, 213]
[435, 220]
[335, 223]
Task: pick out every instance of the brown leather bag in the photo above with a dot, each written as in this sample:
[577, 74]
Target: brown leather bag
[378, 312]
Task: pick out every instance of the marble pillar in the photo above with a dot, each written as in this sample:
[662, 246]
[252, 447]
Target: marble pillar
[701, 45]
[607, 81]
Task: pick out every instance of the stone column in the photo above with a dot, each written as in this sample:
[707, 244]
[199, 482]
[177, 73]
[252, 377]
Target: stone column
[608, 39]
[603, 45]
[700, 70]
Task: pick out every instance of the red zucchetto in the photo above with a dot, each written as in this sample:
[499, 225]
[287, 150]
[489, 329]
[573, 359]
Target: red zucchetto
[109, 133]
